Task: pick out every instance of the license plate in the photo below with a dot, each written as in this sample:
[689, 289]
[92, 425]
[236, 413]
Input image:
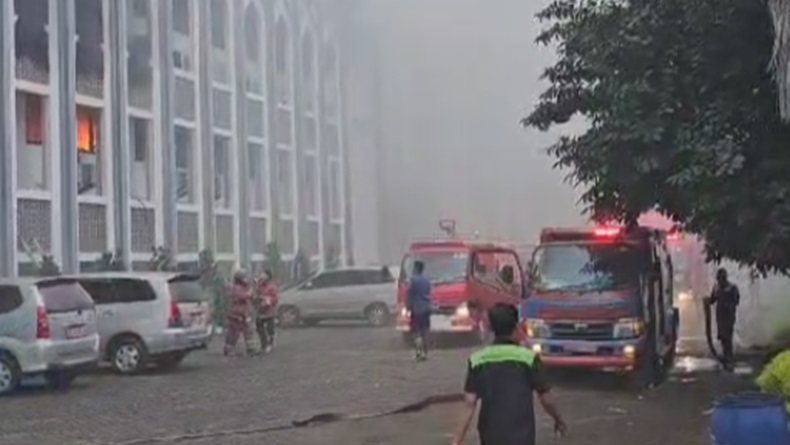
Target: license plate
[76, 331]
[440, 322]
[582, 347]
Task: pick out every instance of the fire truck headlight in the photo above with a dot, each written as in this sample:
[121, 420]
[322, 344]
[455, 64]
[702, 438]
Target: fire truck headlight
[462, 311]
[405, 313]
[684, 296]
[537, 328]
[628, 328]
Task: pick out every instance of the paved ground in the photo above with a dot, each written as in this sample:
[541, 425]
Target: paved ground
[242, 401]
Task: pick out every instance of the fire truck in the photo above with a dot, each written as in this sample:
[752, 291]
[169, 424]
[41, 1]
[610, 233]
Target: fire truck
[467, 278]
[602, 298]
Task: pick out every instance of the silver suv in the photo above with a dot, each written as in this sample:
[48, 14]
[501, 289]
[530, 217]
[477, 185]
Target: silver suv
[47, 327]
[149, 318]
[355, 293]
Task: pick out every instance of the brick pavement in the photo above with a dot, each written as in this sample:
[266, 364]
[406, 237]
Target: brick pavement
[313, 370]
[352, 370]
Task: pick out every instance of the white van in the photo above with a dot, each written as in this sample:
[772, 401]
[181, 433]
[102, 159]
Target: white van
[47, 327]
[149, 318]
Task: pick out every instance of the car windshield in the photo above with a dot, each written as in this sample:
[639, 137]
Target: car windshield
[585, 267]
[440, 267]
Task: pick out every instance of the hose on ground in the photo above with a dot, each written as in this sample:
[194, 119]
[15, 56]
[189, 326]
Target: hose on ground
[709, 333]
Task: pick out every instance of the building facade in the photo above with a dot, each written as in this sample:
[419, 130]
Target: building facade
[187, 124]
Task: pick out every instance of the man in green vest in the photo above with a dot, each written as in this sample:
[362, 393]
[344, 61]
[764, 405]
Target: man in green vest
[502, 379]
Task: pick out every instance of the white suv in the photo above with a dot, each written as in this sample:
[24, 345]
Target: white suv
[47, 327]
[149, 318]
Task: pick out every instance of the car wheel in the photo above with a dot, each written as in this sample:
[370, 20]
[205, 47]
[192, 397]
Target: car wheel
[128, 356]
[10, 374]
[60, 380]
[377, 315]
[171, 361]
[289, 317]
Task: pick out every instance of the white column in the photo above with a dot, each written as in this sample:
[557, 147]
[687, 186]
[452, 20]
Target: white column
[8, 261]
[119, 134]
[204, 130]
[62, 37]
[167, 138]
[241, 178]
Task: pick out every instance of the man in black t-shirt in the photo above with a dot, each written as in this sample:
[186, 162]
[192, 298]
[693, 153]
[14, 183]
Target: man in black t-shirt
[502, 379]
[726, 297]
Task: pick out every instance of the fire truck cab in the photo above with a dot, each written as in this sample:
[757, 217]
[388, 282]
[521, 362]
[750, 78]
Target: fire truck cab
[467, 278]
[602, 298]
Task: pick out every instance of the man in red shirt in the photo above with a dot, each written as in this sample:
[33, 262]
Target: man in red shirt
[266, 310]
[240, 296]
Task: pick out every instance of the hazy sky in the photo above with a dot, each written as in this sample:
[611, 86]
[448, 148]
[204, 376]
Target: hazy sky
[456, 78]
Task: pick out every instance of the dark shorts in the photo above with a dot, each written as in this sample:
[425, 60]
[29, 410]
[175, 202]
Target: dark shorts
[420, 323]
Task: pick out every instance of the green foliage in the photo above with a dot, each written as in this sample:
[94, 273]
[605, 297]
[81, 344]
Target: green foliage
[213, 284]
[302, 262]
[48, 266]
[332, 257]
[682, 117]
[162, 260]
[274, 262]
[109, 261]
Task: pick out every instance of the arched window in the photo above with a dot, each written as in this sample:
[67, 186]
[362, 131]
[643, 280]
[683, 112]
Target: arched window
[252, 43]
[281, 43]
[219, 24]
[329, 77]
[308, 58]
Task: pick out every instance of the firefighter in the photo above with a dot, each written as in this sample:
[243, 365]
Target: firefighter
[726, 297]
[266, 310]
[240, 296]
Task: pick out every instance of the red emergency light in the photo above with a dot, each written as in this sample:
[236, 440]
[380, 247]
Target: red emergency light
[606, 232]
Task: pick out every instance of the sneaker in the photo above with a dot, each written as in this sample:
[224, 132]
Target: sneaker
[268, 349]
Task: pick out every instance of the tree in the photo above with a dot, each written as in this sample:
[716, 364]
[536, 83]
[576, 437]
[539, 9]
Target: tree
[332, 257]
[48, 267]
[213, 284]
[682, 118]
[109, 261]
[302, 265]
[162, 260]
[274, 262]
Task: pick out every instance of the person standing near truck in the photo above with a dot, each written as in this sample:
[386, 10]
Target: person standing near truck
[419, 305]
[726, 297]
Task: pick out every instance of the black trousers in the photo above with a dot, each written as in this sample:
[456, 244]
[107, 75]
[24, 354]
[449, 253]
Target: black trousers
[727, 350]
[265, 328]
[725, 323]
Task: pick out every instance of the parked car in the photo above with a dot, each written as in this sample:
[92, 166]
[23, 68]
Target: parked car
[358, 293]
[149, 318]
[47, 327]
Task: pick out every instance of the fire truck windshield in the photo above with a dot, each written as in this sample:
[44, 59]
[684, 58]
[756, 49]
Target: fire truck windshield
[441, 267]
[585, 267]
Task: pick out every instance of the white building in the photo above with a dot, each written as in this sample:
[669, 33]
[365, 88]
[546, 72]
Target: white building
[188, 124]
